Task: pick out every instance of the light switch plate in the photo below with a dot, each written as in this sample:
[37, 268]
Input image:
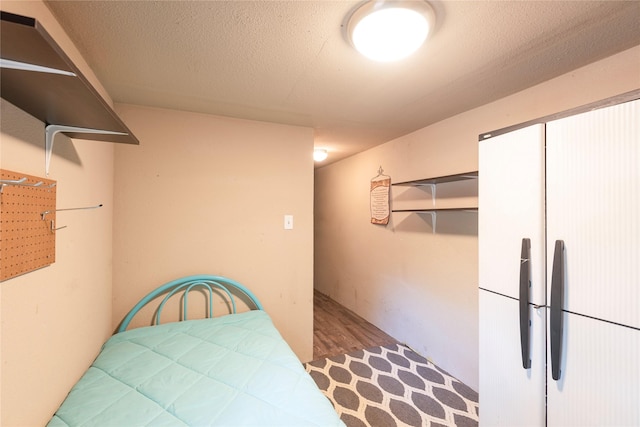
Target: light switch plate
[288, 222]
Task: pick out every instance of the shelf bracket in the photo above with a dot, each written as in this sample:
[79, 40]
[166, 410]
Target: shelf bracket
[24, 66]
[434, 216]
[52, 130]
[433, 187]
[433, 197]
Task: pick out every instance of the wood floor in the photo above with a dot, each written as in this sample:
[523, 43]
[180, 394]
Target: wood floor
[337, 330]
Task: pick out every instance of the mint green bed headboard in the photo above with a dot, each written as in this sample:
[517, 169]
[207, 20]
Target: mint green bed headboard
[200, 282]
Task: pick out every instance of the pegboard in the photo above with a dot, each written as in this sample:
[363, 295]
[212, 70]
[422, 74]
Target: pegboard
[28, 241]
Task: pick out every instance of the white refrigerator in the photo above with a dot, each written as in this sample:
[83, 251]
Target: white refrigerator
[559, 271]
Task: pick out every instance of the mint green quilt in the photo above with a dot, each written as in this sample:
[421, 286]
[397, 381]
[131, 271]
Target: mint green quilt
[234, 370]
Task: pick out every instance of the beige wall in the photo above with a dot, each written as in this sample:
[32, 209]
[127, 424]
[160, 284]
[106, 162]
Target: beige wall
[54, 320]
[207, 195]
[419, 286]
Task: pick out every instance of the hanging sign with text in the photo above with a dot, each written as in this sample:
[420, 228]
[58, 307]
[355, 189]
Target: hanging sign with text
[380, 189]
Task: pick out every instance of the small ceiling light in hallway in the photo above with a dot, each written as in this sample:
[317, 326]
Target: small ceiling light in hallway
[390, 30]
[319, 154]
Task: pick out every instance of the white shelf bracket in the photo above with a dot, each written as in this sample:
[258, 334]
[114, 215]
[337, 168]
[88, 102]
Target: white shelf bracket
[434, 216]
[433, 195]
[52, 130]
[24, 66]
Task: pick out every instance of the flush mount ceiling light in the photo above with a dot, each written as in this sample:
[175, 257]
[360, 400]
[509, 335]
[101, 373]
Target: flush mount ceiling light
[390, 30]
[319, 154]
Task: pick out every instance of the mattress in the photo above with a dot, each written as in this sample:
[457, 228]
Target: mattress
[228, 371]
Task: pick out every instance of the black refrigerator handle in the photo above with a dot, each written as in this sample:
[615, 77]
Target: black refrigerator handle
[557, 304]
[525, 285]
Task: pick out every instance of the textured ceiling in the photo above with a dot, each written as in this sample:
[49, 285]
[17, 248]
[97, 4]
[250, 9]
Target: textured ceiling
[290, 62]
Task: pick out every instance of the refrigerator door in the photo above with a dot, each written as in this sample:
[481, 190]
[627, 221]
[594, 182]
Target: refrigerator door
[593, 209]
[510, 395]
[511, 208]
[511, 264]
[599, 381]
[593, 205]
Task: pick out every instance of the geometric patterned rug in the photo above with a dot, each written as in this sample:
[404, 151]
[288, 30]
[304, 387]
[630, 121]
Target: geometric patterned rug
[393, 386]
